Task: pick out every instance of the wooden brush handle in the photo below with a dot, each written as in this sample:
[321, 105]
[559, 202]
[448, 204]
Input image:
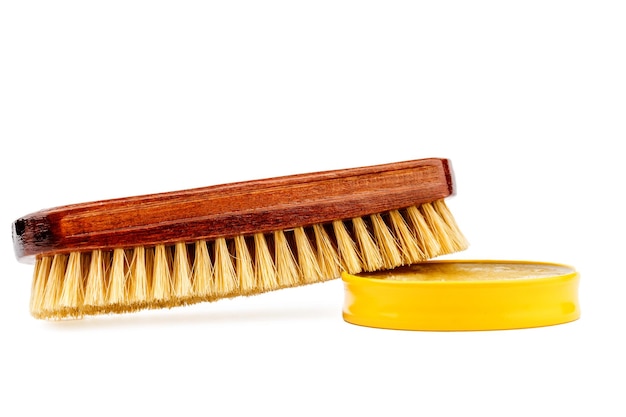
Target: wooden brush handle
[232, 209]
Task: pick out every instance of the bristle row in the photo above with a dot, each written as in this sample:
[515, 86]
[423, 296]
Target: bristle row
[122, 280]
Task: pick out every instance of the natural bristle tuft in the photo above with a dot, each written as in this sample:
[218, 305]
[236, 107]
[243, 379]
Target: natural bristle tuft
[169, 275]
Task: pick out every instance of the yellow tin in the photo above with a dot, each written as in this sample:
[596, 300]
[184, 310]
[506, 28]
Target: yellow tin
[463, 295]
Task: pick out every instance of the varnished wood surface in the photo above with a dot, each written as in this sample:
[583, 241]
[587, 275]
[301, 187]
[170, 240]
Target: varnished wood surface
[232, 209]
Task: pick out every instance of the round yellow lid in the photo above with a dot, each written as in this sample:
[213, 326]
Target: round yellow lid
[463, 295]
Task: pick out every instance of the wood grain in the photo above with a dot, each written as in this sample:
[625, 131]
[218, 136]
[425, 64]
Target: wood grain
[228, 210]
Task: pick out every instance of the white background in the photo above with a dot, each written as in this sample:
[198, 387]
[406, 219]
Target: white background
[117, 98]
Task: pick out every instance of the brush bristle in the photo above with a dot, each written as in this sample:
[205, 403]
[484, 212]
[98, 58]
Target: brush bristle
[124, 280]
